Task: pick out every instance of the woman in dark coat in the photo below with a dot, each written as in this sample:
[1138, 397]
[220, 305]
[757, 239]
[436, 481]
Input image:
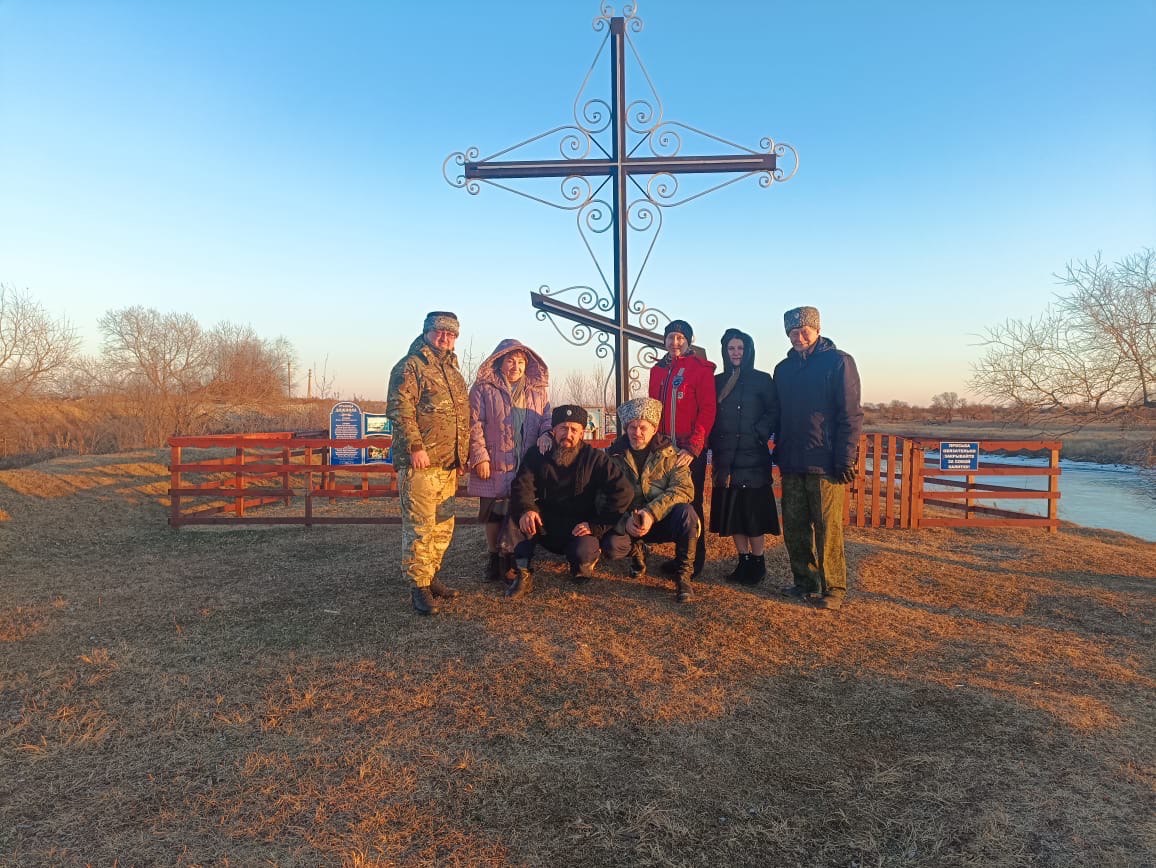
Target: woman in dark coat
[743, 503]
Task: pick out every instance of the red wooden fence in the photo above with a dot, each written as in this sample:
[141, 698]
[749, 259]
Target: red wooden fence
[892, 489]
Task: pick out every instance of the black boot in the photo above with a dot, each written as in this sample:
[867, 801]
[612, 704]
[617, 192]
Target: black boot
[440, 589]
[523, 583]
[669, 568]
[739, 573]
[637, 560]
[423, 601]
[684, 552]
[509, 570]
[756, 570]
[494, 568]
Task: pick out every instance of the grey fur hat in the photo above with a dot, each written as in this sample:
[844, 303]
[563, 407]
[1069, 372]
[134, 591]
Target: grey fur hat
[649, 409]
[801, 317]
[441, 319]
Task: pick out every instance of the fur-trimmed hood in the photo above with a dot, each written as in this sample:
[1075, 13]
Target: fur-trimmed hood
[537, 373]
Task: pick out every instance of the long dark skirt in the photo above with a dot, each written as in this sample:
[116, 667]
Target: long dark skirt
[743, 510]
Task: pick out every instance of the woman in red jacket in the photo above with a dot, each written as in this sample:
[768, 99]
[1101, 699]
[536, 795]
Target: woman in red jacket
[684, 383]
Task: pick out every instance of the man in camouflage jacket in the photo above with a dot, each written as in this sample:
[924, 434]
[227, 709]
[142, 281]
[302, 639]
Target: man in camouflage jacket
[430, 410]
[662, 507]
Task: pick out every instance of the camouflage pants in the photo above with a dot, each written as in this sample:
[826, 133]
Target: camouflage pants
[427, 520]
[813, 532]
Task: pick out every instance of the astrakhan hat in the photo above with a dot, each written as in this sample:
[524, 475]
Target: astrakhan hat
[648, 409]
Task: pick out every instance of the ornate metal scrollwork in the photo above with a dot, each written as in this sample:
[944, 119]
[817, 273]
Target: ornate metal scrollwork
[645, 358]
[632, 143]
[629, 12]
[779, 149]
[459, 159]
[648, 318]
[588, 297]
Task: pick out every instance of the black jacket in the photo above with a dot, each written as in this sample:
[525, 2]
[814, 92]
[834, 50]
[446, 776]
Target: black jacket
[745, 420]
[568, 496]
[820, 420]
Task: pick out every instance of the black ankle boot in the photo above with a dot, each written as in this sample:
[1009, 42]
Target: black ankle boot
[494, 568]
[637, 560]
[756, 570]
[423, 601]
[738, 574]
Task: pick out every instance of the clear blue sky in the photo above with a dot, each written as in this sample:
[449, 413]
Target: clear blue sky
[279, 164]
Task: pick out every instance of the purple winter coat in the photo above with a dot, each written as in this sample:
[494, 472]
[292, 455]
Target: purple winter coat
[491, 425]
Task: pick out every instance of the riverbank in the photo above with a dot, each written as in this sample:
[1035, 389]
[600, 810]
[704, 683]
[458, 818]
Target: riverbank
[267, 696]
[1100, 444]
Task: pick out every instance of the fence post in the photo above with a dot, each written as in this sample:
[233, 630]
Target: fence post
[1054, 488]
[889, 488]
[916, 485]
[174, 484]
[239, 484]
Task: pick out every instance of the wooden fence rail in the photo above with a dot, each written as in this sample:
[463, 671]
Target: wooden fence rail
[957, 491]
[891, 491]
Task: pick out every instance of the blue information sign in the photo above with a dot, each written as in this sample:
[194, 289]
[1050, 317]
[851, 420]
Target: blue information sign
[345, 423]
[958, 456]
[378, 425]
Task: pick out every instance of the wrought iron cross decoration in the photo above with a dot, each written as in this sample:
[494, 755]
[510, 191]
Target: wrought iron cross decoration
[632, 144]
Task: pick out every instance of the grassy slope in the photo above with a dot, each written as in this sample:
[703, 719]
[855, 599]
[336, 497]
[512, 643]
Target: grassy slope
[265, 696]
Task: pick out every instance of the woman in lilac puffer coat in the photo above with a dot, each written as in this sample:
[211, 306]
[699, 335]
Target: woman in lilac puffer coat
[509, 412]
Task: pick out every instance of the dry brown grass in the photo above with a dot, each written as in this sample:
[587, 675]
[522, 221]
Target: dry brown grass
[261, 697]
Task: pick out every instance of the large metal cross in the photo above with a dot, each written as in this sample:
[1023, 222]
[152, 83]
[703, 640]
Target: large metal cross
[605, 128]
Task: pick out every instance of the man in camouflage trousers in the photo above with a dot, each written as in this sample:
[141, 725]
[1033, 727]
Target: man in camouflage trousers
[816, 447]
[430, 410]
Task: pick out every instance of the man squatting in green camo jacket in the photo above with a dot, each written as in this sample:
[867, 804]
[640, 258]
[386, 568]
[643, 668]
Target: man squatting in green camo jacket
[430, 411]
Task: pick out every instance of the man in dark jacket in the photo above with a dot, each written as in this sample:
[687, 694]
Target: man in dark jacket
[565, 500]
[660, 510]
[816, 446]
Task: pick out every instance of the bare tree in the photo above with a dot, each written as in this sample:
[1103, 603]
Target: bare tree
[322, 385]
[35, 349]
[946, 403]
[1091, 356]
[469, 361]
[160, 363]
[243, 368]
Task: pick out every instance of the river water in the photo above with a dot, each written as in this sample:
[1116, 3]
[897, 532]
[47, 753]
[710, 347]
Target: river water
[1113, 496]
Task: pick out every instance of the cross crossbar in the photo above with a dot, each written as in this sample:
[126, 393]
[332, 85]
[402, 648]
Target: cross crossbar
[632, 165]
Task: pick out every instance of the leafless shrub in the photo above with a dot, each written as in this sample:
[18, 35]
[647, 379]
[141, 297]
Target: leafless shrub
[35, 349]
